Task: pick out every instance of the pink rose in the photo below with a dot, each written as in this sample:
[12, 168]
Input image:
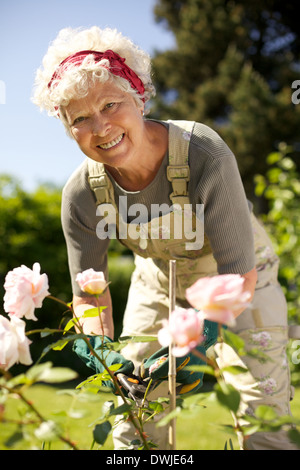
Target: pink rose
[184, 329]
[91, 282]
[218, 297]
[14, 345]
[25, 291]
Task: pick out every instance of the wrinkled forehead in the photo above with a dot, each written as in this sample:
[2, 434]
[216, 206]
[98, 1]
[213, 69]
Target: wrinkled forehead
[98, 95]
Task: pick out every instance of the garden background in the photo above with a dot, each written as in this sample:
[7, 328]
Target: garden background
[233, 65]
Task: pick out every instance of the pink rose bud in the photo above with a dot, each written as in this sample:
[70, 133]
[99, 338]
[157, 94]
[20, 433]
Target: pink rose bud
[25, 290]
[14, 345]
[92, 282]
[219, 296]
[184, 329]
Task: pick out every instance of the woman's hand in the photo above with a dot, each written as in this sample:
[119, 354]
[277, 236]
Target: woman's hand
[92, 326]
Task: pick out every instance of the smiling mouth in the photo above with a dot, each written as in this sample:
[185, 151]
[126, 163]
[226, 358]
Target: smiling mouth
[111, 144]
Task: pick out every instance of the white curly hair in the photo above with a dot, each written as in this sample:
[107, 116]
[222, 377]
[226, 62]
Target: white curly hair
[76, 80]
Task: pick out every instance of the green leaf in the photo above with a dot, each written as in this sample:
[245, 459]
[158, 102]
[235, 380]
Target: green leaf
[14, 438]
[166, 419]
[227, 428]
[167, 400]
[46, 373]
[156, 407]
[137, 339]
[294, 435]
[89, 313]
[94, 380]
[235, 341]
[114, 346]
[235, 370]
[249, 430]
[93, 312]
[266, 413]
[204, 368]
[70, 324]
[59, 345]
[227, 396]
[35, 372]
[58, 375]
[230, 445]
[120, 409]
[112, 368]
[18, 380]
[101, 432]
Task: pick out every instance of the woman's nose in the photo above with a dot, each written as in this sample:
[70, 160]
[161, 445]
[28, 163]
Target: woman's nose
[100, 125]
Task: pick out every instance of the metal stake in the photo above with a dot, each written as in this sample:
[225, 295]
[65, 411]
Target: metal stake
[172, 360]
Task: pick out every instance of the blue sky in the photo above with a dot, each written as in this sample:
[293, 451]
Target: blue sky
[33, 146]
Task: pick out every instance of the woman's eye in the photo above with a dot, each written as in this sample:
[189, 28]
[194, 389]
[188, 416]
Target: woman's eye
[109, 105]
[78, 119]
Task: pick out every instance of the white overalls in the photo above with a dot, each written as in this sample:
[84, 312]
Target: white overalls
[263, 325]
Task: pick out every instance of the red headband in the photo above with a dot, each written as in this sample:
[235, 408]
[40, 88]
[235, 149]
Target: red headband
[116, 66]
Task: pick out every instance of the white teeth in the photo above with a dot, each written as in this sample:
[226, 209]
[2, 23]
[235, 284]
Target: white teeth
[112, 143]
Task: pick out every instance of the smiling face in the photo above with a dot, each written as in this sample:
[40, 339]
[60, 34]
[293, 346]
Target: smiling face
[107, 125]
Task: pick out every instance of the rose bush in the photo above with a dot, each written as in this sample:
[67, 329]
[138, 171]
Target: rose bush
[214, 299]
[25, 290]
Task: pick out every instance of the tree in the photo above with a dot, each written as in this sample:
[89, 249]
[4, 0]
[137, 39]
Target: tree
[31, 232]
[233, 69]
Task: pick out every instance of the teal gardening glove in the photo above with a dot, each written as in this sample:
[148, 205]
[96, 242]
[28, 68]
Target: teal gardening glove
[189, 381]
[105, 353]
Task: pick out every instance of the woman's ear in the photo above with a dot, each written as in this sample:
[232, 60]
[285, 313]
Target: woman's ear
[143, 110]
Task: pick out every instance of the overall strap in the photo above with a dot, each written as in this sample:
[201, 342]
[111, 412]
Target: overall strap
[178, 170]
[99, 181]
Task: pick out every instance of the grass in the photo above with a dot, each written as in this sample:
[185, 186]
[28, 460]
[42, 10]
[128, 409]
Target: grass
[198, 428]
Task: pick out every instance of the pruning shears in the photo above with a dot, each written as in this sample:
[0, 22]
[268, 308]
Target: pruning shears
[135, 387]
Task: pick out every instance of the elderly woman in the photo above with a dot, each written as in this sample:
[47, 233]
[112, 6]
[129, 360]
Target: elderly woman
[98, 83]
